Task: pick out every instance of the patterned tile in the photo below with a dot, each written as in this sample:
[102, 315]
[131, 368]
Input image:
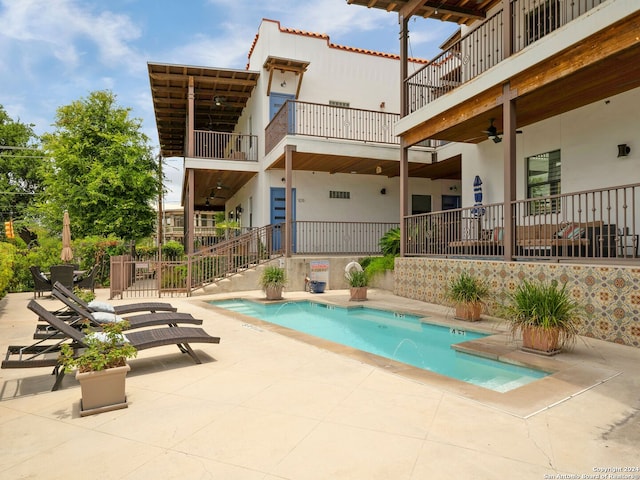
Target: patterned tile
[610, 294]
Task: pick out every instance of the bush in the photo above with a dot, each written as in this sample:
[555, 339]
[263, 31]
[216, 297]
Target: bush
[390, 242]
[7, 262]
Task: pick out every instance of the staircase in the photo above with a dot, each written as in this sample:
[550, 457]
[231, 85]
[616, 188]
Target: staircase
[212, 268]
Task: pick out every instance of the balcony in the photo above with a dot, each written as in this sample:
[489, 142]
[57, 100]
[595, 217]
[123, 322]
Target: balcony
[482, 48]
[225, 146]
[328, 121]
[593, 225]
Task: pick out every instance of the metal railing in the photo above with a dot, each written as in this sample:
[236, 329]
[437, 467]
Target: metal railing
[339, 238]
[328, 121]
[588, 225]
[230, 257]
[158, 275]
[482, 48]
[225, 146]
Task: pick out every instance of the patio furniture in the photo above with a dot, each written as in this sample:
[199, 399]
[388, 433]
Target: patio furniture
[87, 281]
[79, 317]
[62, 274]
[40, 281]
[117, 309]
[42, 355]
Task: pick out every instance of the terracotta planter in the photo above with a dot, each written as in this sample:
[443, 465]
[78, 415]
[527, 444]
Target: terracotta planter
[358, 294]
[540, 339]
[468, 311]
[273, 293]
[103, 391]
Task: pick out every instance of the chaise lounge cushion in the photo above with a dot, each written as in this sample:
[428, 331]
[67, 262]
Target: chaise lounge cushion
[106, 317]
[96, 306]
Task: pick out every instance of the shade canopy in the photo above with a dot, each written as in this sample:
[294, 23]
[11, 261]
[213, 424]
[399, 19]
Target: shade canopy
[67, 254]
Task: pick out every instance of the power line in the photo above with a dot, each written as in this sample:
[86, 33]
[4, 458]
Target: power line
[10, 147]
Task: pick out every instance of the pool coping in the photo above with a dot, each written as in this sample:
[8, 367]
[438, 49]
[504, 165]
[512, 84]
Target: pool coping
[567, 378]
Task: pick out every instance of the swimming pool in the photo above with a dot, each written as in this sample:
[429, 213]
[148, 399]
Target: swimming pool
[397, 336]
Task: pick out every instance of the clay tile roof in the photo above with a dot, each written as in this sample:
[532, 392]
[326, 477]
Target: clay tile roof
[324, 36]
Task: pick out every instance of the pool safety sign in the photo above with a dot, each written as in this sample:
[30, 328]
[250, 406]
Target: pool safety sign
[319, 271]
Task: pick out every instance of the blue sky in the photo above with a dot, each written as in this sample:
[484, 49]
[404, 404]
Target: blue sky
[53, 52]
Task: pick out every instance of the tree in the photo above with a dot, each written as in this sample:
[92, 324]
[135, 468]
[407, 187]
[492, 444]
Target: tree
[20, 167]
[101, 170]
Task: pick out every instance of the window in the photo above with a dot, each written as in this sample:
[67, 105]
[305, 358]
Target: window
[335, 194]
[420, 204]
[543, 180]
[336, 103]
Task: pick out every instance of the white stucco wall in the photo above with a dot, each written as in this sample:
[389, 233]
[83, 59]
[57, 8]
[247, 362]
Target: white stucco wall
[363, 80]
[587, 139]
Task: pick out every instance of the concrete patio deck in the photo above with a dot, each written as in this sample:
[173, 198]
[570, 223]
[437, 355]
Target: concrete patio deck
[271, 404]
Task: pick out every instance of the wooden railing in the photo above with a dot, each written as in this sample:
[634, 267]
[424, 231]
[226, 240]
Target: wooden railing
[328, 121]
[589, 225]
[482, 48]
[225, 146]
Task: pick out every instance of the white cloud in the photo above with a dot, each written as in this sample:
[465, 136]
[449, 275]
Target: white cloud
[67, 31]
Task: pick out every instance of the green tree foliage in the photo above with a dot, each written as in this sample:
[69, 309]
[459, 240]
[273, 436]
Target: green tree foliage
[7, 265]
[102, 170]
[20, 172]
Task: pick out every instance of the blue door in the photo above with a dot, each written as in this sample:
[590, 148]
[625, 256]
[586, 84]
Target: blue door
[278, 208]
[276, 100]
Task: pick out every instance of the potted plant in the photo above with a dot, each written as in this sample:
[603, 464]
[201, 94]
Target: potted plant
[272, 281]
[358, 281]
[101, 368]
[467, 293]
[545, 315]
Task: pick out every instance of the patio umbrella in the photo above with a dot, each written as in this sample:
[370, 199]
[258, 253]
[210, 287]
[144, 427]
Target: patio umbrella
[67, 253]
[477, 210]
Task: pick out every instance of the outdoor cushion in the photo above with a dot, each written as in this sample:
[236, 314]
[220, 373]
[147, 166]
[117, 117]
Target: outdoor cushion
[571, 232]
[96, 306]
[105, 317]
[498, 234]
[103, 337]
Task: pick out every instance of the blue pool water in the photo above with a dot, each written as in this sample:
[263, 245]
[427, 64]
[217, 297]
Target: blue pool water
[400, 337]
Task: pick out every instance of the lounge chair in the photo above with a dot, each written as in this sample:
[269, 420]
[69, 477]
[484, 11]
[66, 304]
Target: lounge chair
[42, 355]
[78, 316]
[41, 283]
[118, 309]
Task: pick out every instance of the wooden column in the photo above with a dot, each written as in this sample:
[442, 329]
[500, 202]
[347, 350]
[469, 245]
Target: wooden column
[404, 111]
[288, 212]
[509, 143]
[189, 229]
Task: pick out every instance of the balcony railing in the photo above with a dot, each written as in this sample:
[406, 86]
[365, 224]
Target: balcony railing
[588, 225]
[339, 238]
[328, 121]
[482, 48]
[225, 146]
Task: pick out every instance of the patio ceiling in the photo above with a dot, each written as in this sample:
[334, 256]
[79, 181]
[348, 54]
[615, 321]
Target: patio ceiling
[220, 97]
[445, 169]
[457, 11]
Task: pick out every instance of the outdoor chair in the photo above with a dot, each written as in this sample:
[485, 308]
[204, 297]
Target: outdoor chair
[79, 318]
[43, 355]
[41, 283]
[117, 309]
[62, 274]
[88, 280]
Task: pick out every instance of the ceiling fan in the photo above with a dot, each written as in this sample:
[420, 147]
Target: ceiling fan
[493, 134]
